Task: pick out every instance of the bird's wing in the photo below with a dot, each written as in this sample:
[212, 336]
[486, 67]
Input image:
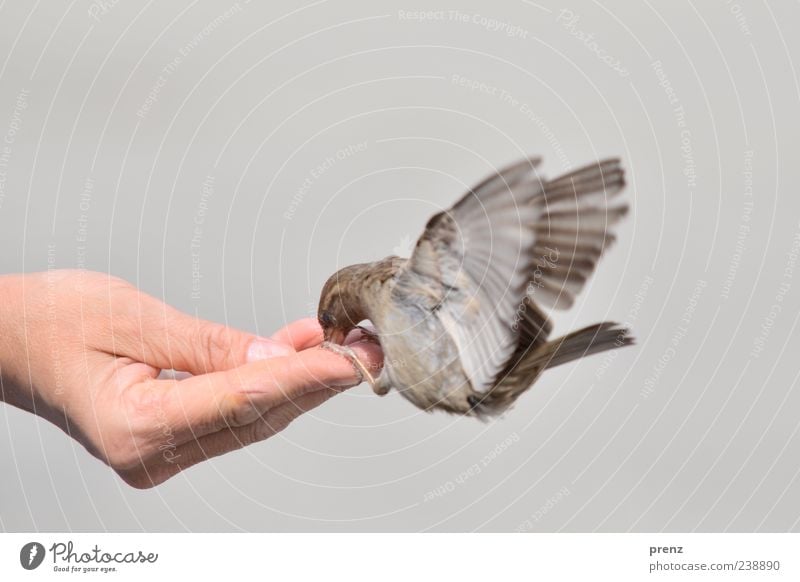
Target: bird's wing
[574, 226]
[513, 235]
[472, 265]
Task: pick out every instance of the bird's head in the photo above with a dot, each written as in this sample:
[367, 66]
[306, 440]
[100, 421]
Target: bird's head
[340, 308]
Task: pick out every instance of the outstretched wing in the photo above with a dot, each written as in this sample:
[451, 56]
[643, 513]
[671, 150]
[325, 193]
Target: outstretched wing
[575, 216]
[472, 265]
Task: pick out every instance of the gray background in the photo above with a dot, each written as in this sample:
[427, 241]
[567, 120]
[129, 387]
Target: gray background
[691, 430]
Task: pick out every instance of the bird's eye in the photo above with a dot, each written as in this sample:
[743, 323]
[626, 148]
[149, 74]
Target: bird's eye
[326, 319]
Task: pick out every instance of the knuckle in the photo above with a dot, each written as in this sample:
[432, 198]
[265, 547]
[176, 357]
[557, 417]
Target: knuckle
[239, 410]
[209, 344]
[216, 343]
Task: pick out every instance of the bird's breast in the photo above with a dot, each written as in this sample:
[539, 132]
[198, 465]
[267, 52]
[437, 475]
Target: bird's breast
[420, 358]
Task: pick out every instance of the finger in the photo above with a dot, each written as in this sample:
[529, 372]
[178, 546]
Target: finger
[301, 334]
[156, 334]
[171, 460]
[205, 404]
[354, 336]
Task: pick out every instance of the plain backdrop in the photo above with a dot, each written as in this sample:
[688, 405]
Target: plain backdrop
[228, 157]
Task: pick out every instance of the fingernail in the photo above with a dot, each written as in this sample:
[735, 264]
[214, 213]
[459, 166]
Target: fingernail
[264, 348]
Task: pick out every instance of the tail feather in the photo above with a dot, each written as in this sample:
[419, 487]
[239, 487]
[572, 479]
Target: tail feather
[530, 363]
[579, 344]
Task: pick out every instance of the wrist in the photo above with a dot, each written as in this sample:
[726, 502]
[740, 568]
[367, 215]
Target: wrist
[15, 390]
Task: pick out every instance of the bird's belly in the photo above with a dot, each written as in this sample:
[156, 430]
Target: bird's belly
[421, 360]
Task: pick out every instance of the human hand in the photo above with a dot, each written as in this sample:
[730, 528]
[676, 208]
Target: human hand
[86, 350]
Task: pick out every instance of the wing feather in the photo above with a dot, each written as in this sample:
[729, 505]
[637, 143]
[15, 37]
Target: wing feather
[482, 251]
[574, 228]
[511, 240]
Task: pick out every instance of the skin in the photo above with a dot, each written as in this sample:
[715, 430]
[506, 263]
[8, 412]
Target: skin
[85, 351]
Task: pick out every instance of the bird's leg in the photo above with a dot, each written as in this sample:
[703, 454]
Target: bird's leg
[351, 355]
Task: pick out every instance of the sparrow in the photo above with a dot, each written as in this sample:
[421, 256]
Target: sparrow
[461, 322]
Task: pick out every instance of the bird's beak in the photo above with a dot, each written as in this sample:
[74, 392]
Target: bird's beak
[335, 335]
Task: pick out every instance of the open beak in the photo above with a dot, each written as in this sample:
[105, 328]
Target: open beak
[335, 335]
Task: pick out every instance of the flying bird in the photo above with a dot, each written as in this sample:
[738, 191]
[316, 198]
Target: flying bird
[461, 322]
